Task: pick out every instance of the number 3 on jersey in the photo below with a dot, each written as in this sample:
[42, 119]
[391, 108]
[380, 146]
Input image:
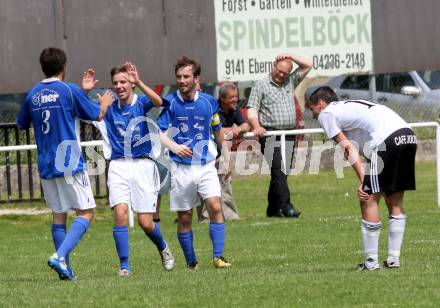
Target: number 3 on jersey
[45, 127]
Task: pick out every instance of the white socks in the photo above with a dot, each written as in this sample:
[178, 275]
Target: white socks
[396, 229]
[370, 237]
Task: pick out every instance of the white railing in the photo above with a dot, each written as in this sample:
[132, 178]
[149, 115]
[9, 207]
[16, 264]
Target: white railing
[282, 133]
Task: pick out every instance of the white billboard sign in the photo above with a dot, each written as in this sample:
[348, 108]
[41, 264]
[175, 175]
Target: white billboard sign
[335, 34]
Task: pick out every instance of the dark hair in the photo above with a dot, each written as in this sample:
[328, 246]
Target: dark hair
[117, 69]
[224, 89]
[324, 93]
[53, 61]
[185, 61]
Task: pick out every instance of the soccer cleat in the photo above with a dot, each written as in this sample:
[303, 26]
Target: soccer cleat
[387, 264]
[72, 273]
[60, 266]
[220, 262]
[123, 272]
[168, 261]
[365, 267]
[191, 266]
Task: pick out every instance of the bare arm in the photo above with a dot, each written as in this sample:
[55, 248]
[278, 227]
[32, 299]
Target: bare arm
[180, 150]
[255, 123]
[133, 77]
[351, 154]
[305, 64]
[237, 130]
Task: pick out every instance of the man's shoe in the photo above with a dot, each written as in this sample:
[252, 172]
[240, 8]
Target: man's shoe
[191, 266]
[124, 273]
[220, 262]
[278, 213]
[365, 267]
[60, 266]
[291, 212]
[168, 261]
[387, 264]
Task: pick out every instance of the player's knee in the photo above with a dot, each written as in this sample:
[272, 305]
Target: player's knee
[184, 221]
[145, 221]
[215, 207]
[121, 214]
[87, 214]
[147, 226]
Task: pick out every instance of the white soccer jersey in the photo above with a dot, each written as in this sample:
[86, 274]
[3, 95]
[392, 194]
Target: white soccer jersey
[357, 118]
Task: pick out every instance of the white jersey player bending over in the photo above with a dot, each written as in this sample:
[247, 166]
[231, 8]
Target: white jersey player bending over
[389, 170]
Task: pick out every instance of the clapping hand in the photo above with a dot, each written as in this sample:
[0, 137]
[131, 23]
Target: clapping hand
[133, 75]
[88, 80]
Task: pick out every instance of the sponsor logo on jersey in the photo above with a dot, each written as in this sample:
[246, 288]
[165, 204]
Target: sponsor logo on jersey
[199, 126]
[183, 127]
[198, 136]
[137, 137]
[182, 118]
[199, 118]
[45, 96]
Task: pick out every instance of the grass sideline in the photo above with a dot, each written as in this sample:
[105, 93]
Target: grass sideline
[306, 262]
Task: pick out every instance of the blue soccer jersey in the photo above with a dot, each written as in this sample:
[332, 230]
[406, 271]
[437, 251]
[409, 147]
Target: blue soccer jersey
[54, 109]
[127, 131]
[192, 123]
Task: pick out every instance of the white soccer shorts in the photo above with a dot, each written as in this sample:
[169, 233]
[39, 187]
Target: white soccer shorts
[134, 182]
[190, 181]
[66, 193]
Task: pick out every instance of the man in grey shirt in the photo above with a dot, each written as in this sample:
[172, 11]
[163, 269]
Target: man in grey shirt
[272, 107]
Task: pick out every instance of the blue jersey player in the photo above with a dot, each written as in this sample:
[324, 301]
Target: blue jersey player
[54, 108]
[131, 141]
[192, 120]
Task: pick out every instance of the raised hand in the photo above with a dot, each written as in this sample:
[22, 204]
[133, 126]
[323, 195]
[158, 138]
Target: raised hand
[107, 98]
[88, 80]
[283, 56]
[132, 73]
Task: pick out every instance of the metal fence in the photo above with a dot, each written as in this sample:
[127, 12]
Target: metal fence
[18, 169]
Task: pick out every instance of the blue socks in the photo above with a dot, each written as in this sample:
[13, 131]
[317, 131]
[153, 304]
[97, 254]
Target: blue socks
[156, 237]
[120, 234]
[186, 242]
[217, 232]
[58, 236]
[77, 230]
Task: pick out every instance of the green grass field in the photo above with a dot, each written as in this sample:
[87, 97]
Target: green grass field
[306, 262]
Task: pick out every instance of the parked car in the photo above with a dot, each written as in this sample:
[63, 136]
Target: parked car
[414, 95]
